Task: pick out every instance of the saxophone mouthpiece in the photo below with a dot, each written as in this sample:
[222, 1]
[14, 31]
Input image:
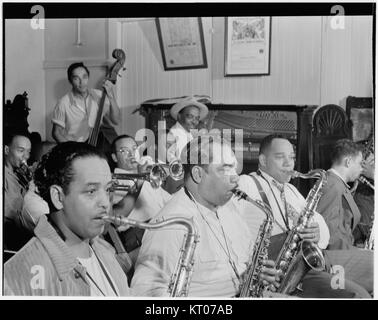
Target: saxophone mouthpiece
[109, 219]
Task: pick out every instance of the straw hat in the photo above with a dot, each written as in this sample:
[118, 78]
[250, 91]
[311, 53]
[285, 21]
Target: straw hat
[176, 108]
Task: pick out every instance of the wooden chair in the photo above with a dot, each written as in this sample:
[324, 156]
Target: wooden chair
[330, 123]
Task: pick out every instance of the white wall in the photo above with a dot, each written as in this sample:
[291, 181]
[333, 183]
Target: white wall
[310, 64]
[24, 56]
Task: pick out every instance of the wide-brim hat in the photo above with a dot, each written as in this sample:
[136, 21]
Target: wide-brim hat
[176, 108]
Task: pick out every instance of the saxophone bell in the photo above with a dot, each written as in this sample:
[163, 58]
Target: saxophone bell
[297, 256]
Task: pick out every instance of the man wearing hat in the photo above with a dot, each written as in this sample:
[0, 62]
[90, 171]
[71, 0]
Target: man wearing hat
[188, 113]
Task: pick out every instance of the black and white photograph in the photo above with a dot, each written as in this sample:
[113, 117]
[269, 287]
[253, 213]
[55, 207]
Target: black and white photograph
[188, 150]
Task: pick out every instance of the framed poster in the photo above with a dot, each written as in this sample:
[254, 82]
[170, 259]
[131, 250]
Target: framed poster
[247, 46]
[182, 43]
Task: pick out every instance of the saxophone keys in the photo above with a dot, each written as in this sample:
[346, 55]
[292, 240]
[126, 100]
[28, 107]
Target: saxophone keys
[283, 265]
[293, 246]
[288, 255]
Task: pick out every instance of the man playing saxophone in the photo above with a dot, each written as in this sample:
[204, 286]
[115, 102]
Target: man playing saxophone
[342, 215]
[222, 252]
[271, 185]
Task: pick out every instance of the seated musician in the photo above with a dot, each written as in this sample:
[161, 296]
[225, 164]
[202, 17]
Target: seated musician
[143, 201]
[364, 198]
[341, 212]
[222, 252]
[66, 257]
[34, 206]
[16, 183]
[270, 184]
[75, 113]
[188, 113]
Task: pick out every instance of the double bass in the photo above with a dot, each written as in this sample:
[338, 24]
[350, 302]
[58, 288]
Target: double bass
[100, 135]
[100, 142]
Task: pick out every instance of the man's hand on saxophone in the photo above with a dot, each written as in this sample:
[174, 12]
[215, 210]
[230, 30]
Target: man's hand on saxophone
[269, 275]
[310, 233]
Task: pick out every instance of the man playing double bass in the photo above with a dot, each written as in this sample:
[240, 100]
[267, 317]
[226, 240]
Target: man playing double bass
[75, 114]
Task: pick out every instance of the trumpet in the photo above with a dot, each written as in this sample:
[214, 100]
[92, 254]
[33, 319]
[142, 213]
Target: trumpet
[156, 175]
[365, 181]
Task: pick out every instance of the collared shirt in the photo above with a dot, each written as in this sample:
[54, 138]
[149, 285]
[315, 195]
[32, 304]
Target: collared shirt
[215, 255]
[78, 115]
[13, 195]
[181, 137]
[254, 217]
[149, 202]
[45, 266]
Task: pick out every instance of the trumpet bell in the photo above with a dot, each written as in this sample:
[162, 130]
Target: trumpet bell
[176, 170]
[157, 176]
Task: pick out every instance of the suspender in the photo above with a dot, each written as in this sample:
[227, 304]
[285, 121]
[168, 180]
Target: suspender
[261, 191]
[265, 199]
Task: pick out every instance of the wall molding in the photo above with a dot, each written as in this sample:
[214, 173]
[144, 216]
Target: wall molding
[63, 64]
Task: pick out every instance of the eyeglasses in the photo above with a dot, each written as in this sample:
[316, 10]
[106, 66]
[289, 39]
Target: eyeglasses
[126, 151]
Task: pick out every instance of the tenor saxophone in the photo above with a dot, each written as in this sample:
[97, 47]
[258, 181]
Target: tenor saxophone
[297, 256]
[180, 279]
[252, 286]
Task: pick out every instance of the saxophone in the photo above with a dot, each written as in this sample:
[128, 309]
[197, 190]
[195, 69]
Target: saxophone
[369, 242]
[252, 286]
[366, 151]
[180, 279]
[296, 257]
[24, 174]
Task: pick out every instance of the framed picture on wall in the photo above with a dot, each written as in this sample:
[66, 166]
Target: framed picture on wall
[182, 43]
[247, 46]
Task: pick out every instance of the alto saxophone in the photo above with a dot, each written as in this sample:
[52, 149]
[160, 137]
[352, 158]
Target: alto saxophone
[252, 286]
[297, 256]
[180, 279]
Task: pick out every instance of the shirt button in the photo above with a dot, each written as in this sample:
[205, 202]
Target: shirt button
[77, 275]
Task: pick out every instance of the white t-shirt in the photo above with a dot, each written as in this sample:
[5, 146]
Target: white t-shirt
[97, 278]
[77, 116]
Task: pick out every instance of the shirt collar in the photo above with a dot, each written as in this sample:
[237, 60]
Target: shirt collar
[271, 180]
[178, 126]
[206, 211]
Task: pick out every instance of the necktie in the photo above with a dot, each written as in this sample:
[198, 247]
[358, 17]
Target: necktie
[290, 212]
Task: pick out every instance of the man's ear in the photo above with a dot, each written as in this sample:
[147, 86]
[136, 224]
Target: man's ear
[57, 196]
[6, 150]
[262, 160]
[347, 161]
[114, 158]
[196, 174]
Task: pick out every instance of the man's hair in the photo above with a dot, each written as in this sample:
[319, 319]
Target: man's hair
[9, 137]
[123, 136]
[344, 148]
[266, 142]
[55, 167]
[74, 66]
[200, 152]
